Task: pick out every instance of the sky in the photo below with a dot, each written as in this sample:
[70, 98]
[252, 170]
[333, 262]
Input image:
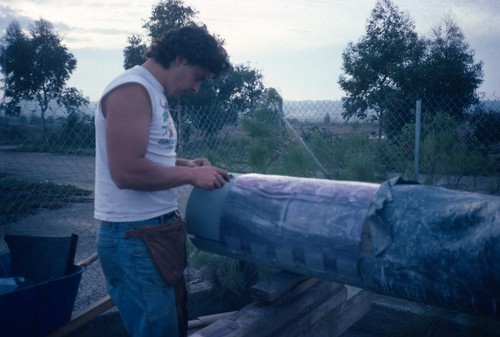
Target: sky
[297, 45]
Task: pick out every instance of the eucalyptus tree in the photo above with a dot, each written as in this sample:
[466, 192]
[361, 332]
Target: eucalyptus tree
[450, 75]
[220, 101]
[378, 69]
[390, 67]
[36, 66]
[165, 15]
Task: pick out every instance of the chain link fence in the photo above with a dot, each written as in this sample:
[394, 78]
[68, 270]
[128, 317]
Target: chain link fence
[47, 165]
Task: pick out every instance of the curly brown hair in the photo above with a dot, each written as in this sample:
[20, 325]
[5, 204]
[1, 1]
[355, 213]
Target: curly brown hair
[195, 44]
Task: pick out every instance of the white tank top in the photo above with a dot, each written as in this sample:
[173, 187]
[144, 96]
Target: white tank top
[114, 204]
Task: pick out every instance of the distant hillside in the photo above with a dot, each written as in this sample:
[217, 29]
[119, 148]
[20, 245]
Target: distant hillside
[29, 108]
[313, 111]
[492, 105]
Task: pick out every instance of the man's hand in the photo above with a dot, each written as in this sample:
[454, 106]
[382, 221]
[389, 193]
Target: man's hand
[192, 162]
[201, 162]
[210, 177]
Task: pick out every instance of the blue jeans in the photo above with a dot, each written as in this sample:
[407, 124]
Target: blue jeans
[145, 301]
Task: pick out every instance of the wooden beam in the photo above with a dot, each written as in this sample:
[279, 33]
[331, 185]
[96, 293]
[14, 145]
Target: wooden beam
[330, 318]
[275, 287]
[202, 321]
[84, 316]
[86, 262]
[268, 320]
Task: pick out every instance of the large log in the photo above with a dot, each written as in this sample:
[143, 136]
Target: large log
[422, 243]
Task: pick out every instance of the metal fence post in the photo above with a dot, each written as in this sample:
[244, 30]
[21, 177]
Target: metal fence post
[179, 127]
[418, 119]
[281, 118]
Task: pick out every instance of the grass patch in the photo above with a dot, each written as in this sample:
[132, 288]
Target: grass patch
[19, 198]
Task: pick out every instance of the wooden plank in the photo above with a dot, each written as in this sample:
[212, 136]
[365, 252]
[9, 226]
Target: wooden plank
[267, 320]
[86, 262]
[330, 319]
[84, 316]
[296, 290]
[270, 290]
[202, 321]
[348, 313]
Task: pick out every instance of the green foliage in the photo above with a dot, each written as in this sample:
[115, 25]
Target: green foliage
[78, 133]
[36, 68]
[486, 126]
[15, 51]
[296, 162]
[443, 151]
[327, 119]
[134, 53]
[355, 159]
[18, 198]
[353, 156]
[167, 15]
[262, 123]
[235, 92]
[263, 127]
[322, 145]
[271, 99]
[449, 74]
[391, 63]
[316, 152]
[231, 279]
[231, 154]
[72, 100]
[12, 133]
[259, 155]
[377, 69]
[72, 135]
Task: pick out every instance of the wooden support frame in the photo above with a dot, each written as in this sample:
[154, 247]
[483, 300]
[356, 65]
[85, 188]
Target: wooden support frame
[84, 316]
[291, 305]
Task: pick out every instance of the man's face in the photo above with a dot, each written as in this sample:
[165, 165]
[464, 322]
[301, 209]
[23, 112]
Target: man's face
[188, 79]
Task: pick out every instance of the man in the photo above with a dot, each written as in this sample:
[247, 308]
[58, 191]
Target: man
[136, 173]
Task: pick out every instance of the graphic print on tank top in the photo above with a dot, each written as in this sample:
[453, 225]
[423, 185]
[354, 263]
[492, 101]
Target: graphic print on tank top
[170, 141]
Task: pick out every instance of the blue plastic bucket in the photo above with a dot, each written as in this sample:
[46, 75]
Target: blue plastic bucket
[38, 309]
